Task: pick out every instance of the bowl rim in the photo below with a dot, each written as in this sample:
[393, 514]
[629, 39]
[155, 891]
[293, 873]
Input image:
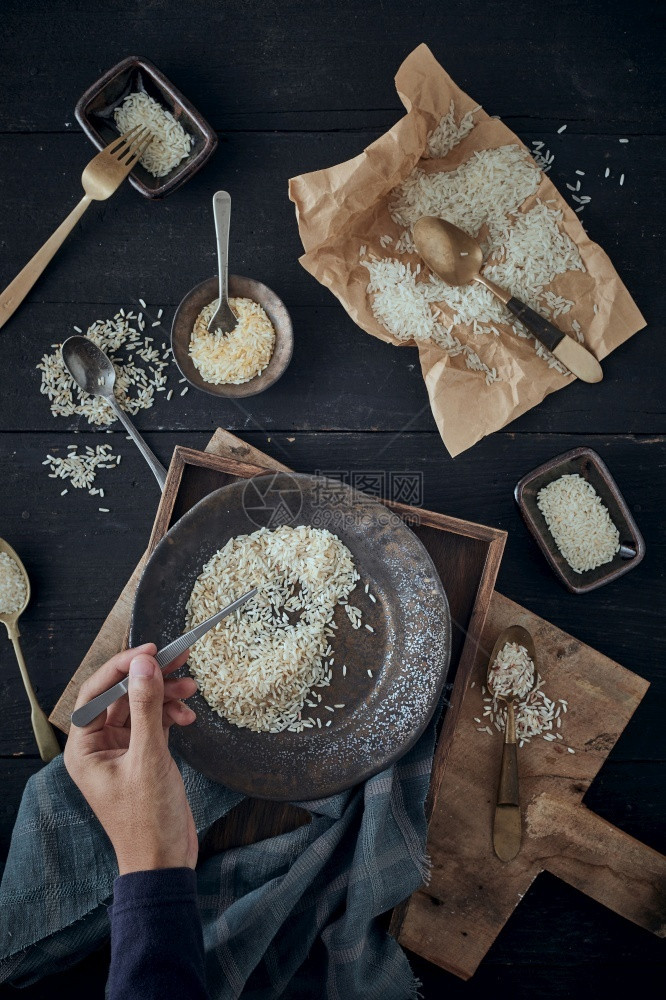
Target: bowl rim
[258, 386]
[553, 468]
[191, 165]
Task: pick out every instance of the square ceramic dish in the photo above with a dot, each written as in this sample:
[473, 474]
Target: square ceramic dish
[94, 113]
[589, 465]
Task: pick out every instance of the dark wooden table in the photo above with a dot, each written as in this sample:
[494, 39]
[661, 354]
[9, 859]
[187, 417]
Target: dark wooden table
[292, 88]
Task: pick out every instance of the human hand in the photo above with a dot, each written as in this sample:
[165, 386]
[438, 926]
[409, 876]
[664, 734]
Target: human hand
[122, 765]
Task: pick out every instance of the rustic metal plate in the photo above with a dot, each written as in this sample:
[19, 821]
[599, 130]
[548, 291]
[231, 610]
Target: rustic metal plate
[408, 653]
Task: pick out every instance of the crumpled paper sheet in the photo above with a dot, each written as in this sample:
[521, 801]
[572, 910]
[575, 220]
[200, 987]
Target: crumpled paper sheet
[346, 206]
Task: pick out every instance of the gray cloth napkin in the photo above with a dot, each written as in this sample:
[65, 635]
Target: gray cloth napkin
[295, 915]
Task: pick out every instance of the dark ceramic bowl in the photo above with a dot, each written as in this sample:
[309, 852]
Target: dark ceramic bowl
[202, 295]
[589, 465]
[94, 113]
[394, 677]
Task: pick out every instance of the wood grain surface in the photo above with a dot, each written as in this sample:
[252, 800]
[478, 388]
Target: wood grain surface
[471, 893]
[289, 92]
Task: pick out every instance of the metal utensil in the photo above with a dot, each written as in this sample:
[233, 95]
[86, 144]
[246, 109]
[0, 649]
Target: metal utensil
[101, 178]
[457, 258]
[224, 318]
[42, 728]
[86, 713]
[93, 371]
[507, 832]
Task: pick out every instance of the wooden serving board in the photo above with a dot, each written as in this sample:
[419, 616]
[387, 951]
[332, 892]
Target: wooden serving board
[471, 894]
[466, 555]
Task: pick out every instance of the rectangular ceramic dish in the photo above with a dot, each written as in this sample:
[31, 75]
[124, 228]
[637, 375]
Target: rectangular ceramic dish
[591, 467]
[94, 113]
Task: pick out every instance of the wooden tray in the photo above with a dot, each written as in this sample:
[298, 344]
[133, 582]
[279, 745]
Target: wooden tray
[467, 557]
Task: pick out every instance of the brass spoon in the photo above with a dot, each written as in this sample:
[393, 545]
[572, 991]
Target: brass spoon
[456, 258]
[507, 832]
[44, 732]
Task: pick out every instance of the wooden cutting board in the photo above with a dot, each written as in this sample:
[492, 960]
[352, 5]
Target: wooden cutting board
[472, 894]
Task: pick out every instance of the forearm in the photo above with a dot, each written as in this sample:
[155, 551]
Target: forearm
[157, 948]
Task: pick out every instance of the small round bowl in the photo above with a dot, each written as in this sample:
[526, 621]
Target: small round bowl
[191, 306]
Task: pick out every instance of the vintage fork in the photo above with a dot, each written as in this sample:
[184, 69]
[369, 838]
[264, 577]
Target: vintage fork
[101, 178]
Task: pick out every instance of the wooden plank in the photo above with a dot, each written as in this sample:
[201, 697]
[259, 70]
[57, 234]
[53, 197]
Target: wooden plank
[339, 379]
[592, 53]
[166, 243]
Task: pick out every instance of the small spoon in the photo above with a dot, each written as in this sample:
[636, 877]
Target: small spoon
[93, 371]
[224, 319]
[507, 827]
[456, 258]
[47, 742]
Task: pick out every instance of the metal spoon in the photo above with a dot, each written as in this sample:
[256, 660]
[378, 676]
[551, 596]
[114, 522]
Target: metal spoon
[44, 733]
[92, 370]
[457, 258]
[507, 831]
[224, 319]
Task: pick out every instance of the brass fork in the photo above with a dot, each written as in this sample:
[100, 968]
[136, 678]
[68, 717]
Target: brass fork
[101, 178]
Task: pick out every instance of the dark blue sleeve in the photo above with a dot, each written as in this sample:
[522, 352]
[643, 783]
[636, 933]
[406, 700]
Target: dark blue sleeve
[157, 950]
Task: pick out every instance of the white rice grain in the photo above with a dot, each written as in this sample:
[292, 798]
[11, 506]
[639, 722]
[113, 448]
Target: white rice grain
[579, 522]
[170, 144]
[236, 357]
[13, 592]
[258, 668]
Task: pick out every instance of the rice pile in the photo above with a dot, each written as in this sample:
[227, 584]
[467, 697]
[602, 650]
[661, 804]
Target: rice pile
[579, 522]
[449, 132]
[139, 369]
[236, 357]
[13, 591]
[80, 468]
[170, 144]
[258, 668]
[523, 251]
[512, 673]
[536, 714]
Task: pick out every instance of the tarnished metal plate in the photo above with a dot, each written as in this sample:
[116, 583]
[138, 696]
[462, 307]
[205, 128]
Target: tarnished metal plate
[408, 653]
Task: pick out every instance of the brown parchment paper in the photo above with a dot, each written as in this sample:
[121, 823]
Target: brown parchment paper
[345, 207]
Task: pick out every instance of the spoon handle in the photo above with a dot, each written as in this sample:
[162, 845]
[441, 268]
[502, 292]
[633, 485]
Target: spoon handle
[507, 825]
[222, 216]
[542, 329]
[158, 469]
[576, 357]
[507, 793]
[47, 742]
